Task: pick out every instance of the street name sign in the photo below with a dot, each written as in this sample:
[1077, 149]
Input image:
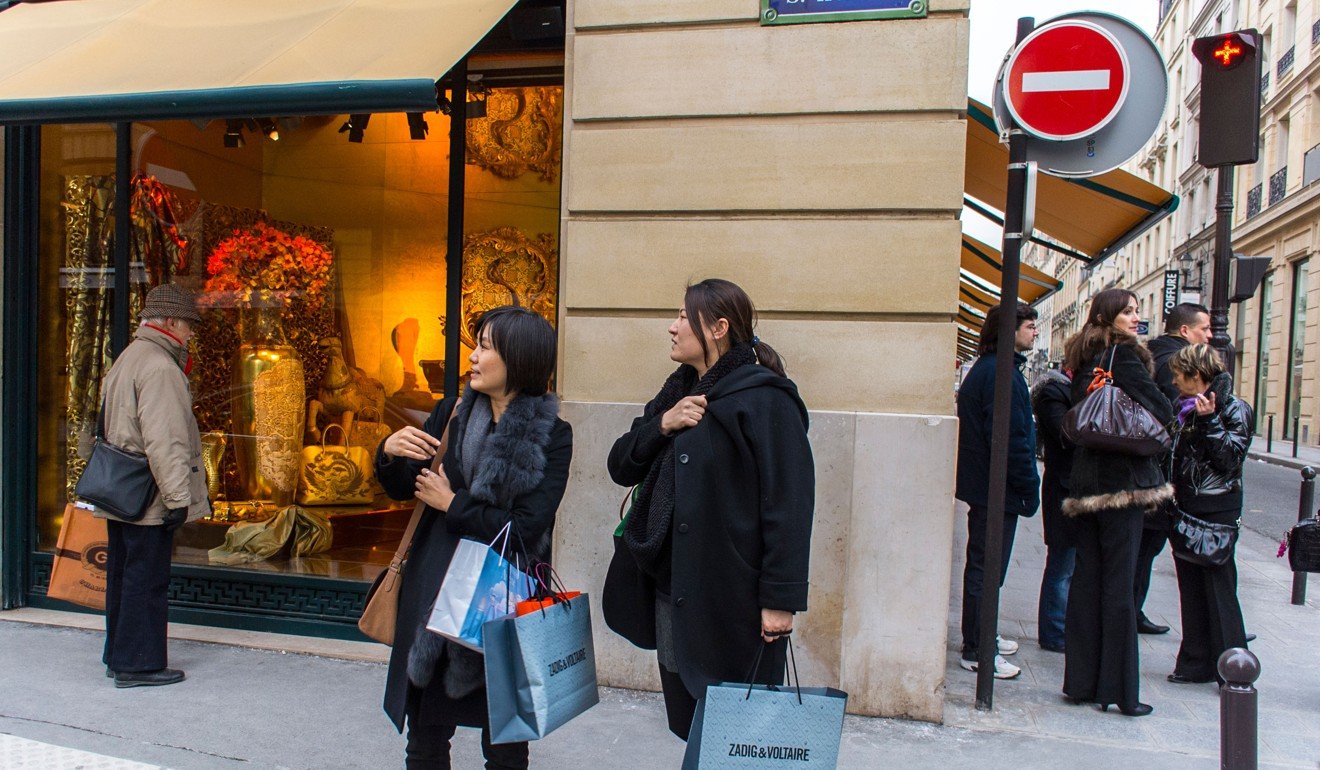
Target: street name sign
[807, 11]
[1067, 80]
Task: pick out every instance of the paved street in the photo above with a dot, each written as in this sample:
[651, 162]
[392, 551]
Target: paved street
[1272, 494]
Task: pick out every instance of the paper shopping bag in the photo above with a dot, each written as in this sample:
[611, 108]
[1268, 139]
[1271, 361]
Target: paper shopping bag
[81, 553]
[540, 670]
[478, 586]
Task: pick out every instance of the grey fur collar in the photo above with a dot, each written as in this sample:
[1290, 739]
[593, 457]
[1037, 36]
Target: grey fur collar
[1128, 498]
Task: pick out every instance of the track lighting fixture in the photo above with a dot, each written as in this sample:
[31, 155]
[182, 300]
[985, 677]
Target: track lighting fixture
[417, 127]
[355, 126]
[233, 134]
[271, 130]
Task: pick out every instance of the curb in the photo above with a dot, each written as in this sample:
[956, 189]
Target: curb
[1295, 463]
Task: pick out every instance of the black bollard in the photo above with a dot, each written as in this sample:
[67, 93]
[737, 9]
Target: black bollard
[1296, 421]
[1305, 509]
[1269, 435]
[1237, 709]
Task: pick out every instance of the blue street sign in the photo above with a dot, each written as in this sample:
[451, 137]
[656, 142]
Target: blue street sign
[1143, 328]
[805, 11]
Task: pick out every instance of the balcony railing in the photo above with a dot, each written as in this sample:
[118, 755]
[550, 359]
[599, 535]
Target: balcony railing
[1264, 84]
[1286, 62]
[1278, 185]
[1165, 7]
[1315, 32]
[1311, 166]
[1253, 202]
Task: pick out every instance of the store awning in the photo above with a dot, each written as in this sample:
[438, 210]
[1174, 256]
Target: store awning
[979, 283]
[118, 60]
[1092, 218]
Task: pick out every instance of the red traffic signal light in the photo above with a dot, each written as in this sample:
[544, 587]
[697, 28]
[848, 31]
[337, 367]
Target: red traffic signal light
[1230, 98]
[1228, 51]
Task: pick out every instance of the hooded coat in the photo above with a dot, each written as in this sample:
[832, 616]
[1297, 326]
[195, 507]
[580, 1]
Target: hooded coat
[741, 528]
[1208, 453]
[976, 406]
[521, 478]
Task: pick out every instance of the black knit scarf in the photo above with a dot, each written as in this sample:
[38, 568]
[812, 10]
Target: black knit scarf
[653, 511]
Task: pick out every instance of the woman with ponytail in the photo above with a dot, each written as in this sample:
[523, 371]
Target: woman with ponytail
[719, 531]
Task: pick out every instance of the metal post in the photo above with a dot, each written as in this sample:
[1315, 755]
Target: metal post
[1014, 220]
[1269, 435]
[1223, 257]
[454, 239]
[1237, 709]
[1305, 510]
[1296, 422]
[123, 243]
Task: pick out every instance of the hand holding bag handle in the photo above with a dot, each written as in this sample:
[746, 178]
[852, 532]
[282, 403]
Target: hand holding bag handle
[382, 609]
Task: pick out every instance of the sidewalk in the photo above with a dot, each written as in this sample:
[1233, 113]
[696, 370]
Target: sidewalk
[1282, 453]
[263, 708]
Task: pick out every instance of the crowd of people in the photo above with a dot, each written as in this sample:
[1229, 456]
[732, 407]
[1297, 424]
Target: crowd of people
[1108, 512]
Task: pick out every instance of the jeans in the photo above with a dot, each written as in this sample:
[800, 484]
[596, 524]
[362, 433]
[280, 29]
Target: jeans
[1053, 606]
[974, 574]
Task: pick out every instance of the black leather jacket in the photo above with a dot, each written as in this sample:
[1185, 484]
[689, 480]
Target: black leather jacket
[1208, 453]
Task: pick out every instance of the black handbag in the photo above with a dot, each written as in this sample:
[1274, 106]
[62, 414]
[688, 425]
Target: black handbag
[1202, 542]
[1108, 420]
[116, 480]
[628, 598]
[1304, 546]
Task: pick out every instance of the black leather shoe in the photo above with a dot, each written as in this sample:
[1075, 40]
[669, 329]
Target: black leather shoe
[1144, 626]
[109, 673]
[1177, 678]
[1139, 710]
[148, 678]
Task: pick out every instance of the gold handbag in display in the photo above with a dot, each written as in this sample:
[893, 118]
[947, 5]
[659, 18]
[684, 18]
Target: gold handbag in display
[336, 474]
[368, 434]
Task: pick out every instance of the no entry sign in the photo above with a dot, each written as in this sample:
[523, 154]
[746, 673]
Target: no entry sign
[1066, 80]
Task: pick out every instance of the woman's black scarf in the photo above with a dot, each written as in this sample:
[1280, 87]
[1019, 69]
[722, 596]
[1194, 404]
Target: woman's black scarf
[653, 511]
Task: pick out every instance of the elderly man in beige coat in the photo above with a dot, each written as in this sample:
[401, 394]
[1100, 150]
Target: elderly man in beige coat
[148, 409]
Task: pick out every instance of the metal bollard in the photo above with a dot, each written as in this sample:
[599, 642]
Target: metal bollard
[1269, 435]
[1237, 709]
[1305, 509]
[1296, 422]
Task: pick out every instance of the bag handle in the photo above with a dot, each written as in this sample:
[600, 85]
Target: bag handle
[405, 545]
[342, 433]
[756, 665]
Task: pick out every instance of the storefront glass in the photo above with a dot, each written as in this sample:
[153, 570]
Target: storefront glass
[318, 247]
[1266, 321]
[1296, 345]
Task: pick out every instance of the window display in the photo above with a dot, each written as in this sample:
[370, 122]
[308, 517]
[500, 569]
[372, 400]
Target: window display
[317, 247]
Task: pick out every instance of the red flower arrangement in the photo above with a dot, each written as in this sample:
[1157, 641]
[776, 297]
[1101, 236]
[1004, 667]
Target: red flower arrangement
[266, 262]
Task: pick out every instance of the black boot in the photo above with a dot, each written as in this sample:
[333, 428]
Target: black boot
[1144, 626]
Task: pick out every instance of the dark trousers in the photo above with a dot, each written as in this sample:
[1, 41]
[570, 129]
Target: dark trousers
[680, 706]
[1211, 616]
[1152, 542]
[1060, 560]
[428, 749]
[137, 597]
[974, 574]
[1100, 660]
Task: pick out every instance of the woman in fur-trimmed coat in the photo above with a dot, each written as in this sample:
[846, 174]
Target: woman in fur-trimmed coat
[1108, 496]
[507, 461]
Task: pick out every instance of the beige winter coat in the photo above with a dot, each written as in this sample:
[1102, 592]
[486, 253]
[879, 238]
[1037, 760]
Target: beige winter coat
[149, 410]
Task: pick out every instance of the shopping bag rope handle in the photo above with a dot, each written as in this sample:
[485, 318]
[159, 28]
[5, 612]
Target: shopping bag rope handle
[756, 665]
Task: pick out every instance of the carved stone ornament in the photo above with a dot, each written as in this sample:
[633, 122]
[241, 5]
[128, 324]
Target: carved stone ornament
[521, 133]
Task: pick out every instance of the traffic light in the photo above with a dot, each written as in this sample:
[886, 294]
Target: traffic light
[1230, 98]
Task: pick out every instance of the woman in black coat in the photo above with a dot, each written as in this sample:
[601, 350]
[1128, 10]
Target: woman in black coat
[1108, 496]
[1209, 447]
[719, 533]
[507, 461]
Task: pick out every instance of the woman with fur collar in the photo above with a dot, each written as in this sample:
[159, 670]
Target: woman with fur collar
[1108, 497]
[1210, 444]
[507, 461]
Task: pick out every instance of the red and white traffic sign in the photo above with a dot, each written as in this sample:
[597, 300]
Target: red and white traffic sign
[1066, 80]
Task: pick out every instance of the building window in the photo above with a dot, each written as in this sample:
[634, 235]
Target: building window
[1296, 346]
[1263, 351]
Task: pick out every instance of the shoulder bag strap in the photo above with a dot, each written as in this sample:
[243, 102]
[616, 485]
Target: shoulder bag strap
[406, 543]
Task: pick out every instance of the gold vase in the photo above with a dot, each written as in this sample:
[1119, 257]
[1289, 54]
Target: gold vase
[269, 407]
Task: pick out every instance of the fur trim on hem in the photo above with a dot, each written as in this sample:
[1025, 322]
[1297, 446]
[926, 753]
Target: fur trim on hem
[1128, 498]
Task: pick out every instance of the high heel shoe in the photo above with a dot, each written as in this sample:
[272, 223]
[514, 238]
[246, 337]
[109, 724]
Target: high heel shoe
[1139, 710]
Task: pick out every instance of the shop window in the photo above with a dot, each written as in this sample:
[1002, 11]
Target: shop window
[1296, 346]
[1263, 352]
[318, 248]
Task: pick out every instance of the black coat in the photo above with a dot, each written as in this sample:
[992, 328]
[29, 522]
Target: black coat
[744, 501]
[533, 513]
[1108, 480]
[1161, 350]
[1050, 401]
[1208, 453]
[976, 405]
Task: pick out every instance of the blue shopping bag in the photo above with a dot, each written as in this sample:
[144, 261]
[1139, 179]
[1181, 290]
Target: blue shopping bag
[540, 670]
[479, 585]
[740, 726]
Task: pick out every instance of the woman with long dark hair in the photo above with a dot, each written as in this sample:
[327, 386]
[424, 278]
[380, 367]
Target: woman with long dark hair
[506, 463]
[1108, 496]
[719, 532]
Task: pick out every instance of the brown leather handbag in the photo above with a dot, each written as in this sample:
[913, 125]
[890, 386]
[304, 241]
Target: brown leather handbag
[1108, 420]
[382, 611]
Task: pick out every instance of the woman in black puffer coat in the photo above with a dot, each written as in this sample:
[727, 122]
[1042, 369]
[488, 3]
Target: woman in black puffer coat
[1209, 447]
[1108, 496]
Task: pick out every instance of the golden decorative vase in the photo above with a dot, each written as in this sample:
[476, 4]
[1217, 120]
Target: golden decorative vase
[269, 408]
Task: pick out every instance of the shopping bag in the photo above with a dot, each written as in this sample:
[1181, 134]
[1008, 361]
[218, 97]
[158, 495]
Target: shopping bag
[540, 670]
[81, 553]
[756, 726]
[479, 585]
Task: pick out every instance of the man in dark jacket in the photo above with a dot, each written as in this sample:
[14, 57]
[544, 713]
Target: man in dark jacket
[1187, 324]
[1050, 400]
[976, 400]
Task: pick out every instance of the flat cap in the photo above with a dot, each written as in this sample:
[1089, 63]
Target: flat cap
[170, 300]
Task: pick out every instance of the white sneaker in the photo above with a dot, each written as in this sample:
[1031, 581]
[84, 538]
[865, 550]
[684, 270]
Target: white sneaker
[1003, 669]
[1006, 646]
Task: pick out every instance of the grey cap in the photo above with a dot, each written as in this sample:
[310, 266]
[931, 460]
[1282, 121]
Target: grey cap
[170, 300]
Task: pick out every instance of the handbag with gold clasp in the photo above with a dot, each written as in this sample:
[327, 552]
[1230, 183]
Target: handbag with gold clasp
[336, 474]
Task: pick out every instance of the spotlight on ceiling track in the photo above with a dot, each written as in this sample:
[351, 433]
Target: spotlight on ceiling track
[355, 126]
[417, 127]
[233, 134]
[271, 130]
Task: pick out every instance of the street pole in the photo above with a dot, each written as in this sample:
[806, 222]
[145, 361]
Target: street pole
[1014, 219]
[1219, 338]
